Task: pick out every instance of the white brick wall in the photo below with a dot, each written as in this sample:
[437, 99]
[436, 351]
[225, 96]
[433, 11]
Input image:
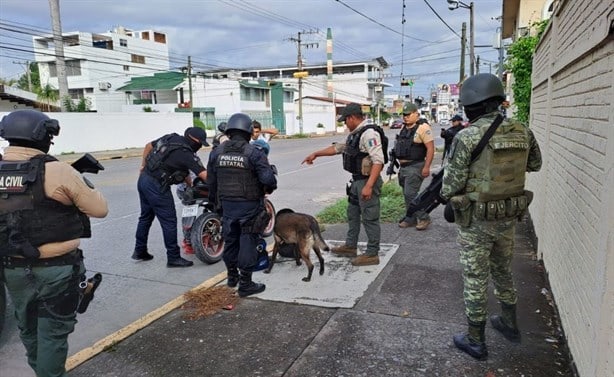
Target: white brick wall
[572, 115]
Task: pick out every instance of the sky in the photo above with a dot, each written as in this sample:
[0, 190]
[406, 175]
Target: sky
[260, 33]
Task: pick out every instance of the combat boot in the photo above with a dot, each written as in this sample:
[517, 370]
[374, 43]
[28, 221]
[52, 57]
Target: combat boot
[232, 277]
[247, 287]
[506, 323]
[345, 251]
[473, 342]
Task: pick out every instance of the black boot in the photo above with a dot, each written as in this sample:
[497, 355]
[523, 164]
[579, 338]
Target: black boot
[142, 255]
[473, 342]
[506, 323]
[178, 262]
[232, 277]
[247, 287]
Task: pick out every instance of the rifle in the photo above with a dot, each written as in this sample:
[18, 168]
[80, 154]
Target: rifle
[87, 164]
[428, 199]
[393, 163]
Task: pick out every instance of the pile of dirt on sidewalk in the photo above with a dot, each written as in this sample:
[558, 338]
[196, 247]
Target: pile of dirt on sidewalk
[207, 301]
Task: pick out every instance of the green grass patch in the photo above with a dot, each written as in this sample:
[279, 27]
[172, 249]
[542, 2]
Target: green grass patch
[391, 201]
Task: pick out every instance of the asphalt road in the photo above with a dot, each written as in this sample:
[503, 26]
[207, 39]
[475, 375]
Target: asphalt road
[132, 289]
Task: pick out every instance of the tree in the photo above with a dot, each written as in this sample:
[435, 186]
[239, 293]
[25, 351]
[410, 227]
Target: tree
[520, 63]
[48, 94]
[22, 82]
[82, 106]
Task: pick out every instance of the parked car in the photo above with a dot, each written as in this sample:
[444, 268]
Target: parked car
[396, 123]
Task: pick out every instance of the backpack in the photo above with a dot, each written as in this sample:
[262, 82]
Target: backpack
[382, 136]
[161, 150]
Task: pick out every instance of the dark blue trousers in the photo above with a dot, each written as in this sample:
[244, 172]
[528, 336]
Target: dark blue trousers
[156, 202]
[240, 245]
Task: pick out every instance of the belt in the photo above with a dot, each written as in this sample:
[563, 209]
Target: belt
[71, 258]
[358, 177]
[407, 163]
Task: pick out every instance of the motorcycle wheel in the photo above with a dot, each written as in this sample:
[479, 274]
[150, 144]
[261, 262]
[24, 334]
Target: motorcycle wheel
[271, 225]
[206, 237]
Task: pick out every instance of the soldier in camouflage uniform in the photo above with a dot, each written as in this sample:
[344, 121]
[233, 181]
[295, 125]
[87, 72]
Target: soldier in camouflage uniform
[363, 156]
[488, 197]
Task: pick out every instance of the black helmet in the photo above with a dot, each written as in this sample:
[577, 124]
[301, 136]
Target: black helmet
[241, 122]
[222, 127]
[481, 87]
[29, 125]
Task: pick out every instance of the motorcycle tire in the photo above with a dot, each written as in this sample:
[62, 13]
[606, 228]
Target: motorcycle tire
[206, 237]
[268, 231]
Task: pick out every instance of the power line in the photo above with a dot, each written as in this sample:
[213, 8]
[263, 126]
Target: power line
[438, 16]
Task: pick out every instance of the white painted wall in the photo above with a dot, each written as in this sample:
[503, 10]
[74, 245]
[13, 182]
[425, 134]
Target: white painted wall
[572, 116]
[90, 132]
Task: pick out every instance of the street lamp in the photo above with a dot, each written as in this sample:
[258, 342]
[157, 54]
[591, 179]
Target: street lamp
[454, 5]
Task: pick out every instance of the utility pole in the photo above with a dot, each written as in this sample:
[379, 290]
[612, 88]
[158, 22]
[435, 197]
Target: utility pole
[299, 74]
[190, 81]
[28, 73]
[471, 39]
[462, 57]
[500, 48]
[58, 42]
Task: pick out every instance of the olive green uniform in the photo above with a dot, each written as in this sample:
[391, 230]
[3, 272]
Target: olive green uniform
[366, 211]
[488, 197]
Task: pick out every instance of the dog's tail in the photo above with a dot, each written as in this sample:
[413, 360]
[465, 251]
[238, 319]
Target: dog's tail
[315, 229]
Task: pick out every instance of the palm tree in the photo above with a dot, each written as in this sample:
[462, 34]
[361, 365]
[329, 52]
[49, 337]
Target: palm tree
[47, 94]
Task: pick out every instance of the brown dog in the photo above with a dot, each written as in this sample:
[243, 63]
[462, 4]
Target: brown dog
[295, 235]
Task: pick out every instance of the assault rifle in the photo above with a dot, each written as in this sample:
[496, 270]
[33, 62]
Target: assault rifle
[429, 198]
[393, 163]
[87, 164]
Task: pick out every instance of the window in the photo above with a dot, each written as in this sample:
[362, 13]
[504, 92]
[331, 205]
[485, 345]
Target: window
[253, 94]
[138, 59]
[123, 42]
[73, 68]
[126, 67]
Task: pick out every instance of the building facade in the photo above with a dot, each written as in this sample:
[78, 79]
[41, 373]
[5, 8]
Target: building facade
[98, 63]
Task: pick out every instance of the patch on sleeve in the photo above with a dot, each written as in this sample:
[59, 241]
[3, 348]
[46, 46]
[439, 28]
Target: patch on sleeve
[372, 142]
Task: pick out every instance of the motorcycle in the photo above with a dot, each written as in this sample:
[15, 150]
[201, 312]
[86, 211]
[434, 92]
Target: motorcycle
[205, 225]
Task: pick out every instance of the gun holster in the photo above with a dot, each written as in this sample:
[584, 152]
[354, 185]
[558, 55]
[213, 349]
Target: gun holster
[352, 199]
[86, 290]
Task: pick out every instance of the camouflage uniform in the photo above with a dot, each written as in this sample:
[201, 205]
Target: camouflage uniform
[487, 237]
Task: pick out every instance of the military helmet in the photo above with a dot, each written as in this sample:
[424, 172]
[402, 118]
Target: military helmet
[29, 125]
[480, 88]
[241, 122]
[222, 127]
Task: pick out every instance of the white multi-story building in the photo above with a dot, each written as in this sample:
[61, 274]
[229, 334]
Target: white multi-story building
[97, 63]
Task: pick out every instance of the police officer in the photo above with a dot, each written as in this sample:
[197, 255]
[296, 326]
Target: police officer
[363, 157]
[447, 134]
[488, 198]
[221, 135]
[239, 178]
[44, 209]
[166, 161]
[414, 148]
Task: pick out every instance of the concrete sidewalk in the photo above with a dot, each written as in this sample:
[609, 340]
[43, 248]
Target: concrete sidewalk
[402, 325]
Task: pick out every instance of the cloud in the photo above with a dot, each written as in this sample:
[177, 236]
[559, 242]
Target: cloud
[240, 33]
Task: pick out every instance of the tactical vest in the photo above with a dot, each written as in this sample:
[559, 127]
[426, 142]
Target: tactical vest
[155, 162]
[499, 171]
[406, 149]
[27, 216]
[352, 156]
[236, 176]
